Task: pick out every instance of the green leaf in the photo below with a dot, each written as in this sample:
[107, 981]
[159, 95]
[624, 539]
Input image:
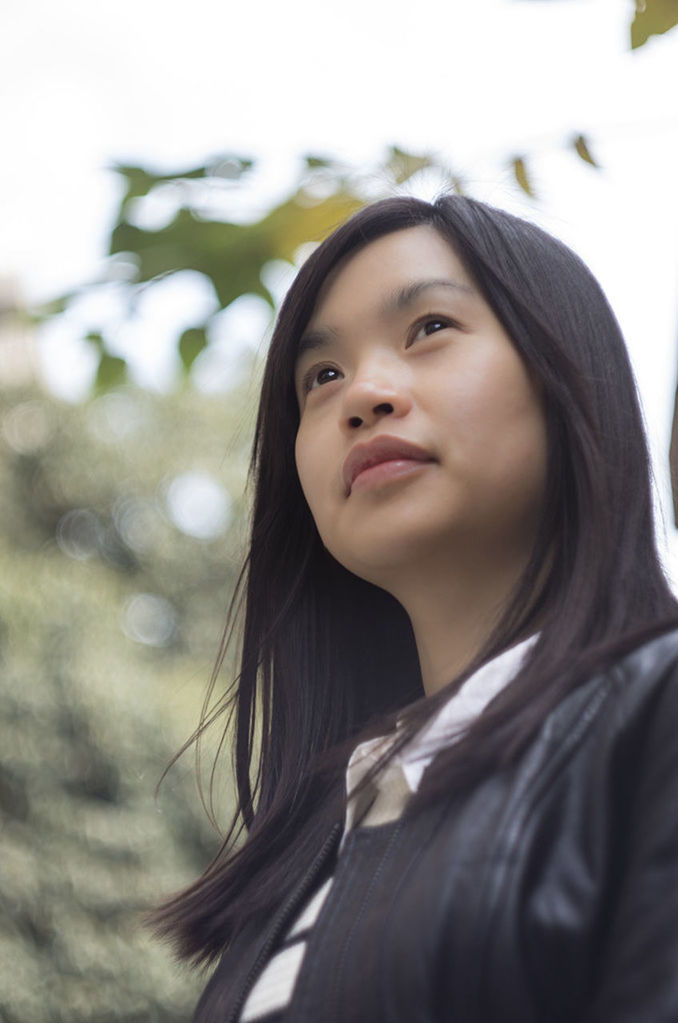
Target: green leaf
[295, 221]
[139, 182]
[313, 162]
[403, 165]
[652, 18]
[581, 147]
[96, 339]
[230, 255]
[112, 372]
[53, 307]
[191, 343]
[521, 176]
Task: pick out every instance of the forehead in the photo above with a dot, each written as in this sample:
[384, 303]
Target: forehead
[402, 257]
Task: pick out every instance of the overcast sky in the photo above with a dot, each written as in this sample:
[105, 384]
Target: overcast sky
[83, 85]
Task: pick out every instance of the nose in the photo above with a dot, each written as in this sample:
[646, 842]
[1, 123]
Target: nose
[375, 391]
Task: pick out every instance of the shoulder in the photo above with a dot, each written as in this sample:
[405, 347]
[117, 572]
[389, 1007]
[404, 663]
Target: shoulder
[634, 682]
[645, 681]
[627, 718]
[654, 658]
[618, 727]
[646, 689]
[637, 972]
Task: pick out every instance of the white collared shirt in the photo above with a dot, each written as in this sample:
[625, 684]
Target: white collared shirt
[447, 725]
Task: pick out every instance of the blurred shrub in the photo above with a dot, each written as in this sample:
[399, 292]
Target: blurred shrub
[121, 526]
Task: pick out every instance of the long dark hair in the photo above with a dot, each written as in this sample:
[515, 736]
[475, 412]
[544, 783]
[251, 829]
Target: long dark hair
[327, 657]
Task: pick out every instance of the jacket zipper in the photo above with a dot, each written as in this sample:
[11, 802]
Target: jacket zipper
[279, 923]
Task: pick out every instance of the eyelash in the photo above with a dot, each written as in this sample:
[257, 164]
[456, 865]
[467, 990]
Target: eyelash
[310, 379]
[445, 322]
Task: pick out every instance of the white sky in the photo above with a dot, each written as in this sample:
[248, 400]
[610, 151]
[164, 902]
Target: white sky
[83, 85]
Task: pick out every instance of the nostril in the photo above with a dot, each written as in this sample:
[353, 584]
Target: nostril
[355, 421]
[385, 406]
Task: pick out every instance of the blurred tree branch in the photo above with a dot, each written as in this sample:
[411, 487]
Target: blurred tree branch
[232, 255]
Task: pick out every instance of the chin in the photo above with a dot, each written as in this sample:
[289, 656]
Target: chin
[384, 560]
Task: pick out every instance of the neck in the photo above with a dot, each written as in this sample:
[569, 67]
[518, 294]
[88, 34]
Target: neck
[453, 614]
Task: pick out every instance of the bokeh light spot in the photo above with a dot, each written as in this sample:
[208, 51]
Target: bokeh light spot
[137, 521]
[149, 619]
[79, 534]
[198, 505]
[116, 416]
[26, 427]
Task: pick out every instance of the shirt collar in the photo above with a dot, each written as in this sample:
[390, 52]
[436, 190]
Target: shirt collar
[461, 710]
[451, 720]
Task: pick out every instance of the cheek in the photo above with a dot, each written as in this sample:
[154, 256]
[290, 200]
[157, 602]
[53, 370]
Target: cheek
[520, 457]
[501, 427]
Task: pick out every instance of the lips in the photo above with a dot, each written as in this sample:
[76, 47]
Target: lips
[377, 451]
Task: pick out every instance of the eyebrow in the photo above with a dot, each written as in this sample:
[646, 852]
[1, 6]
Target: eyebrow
[396, 302]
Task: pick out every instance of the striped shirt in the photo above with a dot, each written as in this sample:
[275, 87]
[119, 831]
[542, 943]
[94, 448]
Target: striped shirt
[385, 801]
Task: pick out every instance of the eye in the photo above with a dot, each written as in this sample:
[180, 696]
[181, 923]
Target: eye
[317, 376]
[429, 325]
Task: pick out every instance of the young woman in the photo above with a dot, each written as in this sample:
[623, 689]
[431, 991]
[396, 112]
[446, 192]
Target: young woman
[456, 714]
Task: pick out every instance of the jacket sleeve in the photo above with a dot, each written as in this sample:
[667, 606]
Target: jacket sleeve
[638, 974]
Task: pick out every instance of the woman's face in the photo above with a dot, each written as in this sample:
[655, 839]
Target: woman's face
[421, 439]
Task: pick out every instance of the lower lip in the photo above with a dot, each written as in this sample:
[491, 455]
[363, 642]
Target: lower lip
[385, 472]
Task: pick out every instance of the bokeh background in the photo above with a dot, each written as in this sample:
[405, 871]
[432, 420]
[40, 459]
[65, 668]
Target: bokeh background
[164, 171]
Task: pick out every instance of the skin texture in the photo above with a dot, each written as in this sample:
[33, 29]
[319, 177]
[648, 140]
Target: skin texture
[448, 537]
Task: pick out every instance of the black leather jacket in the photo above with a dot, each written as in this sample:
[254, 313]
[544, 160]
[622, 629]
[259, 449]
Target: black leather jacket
[546, 894]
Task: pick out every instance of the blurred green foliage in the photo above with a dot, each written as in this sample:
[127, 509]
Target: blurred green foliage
[233, 256]
[652, 18]
[110, 616]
